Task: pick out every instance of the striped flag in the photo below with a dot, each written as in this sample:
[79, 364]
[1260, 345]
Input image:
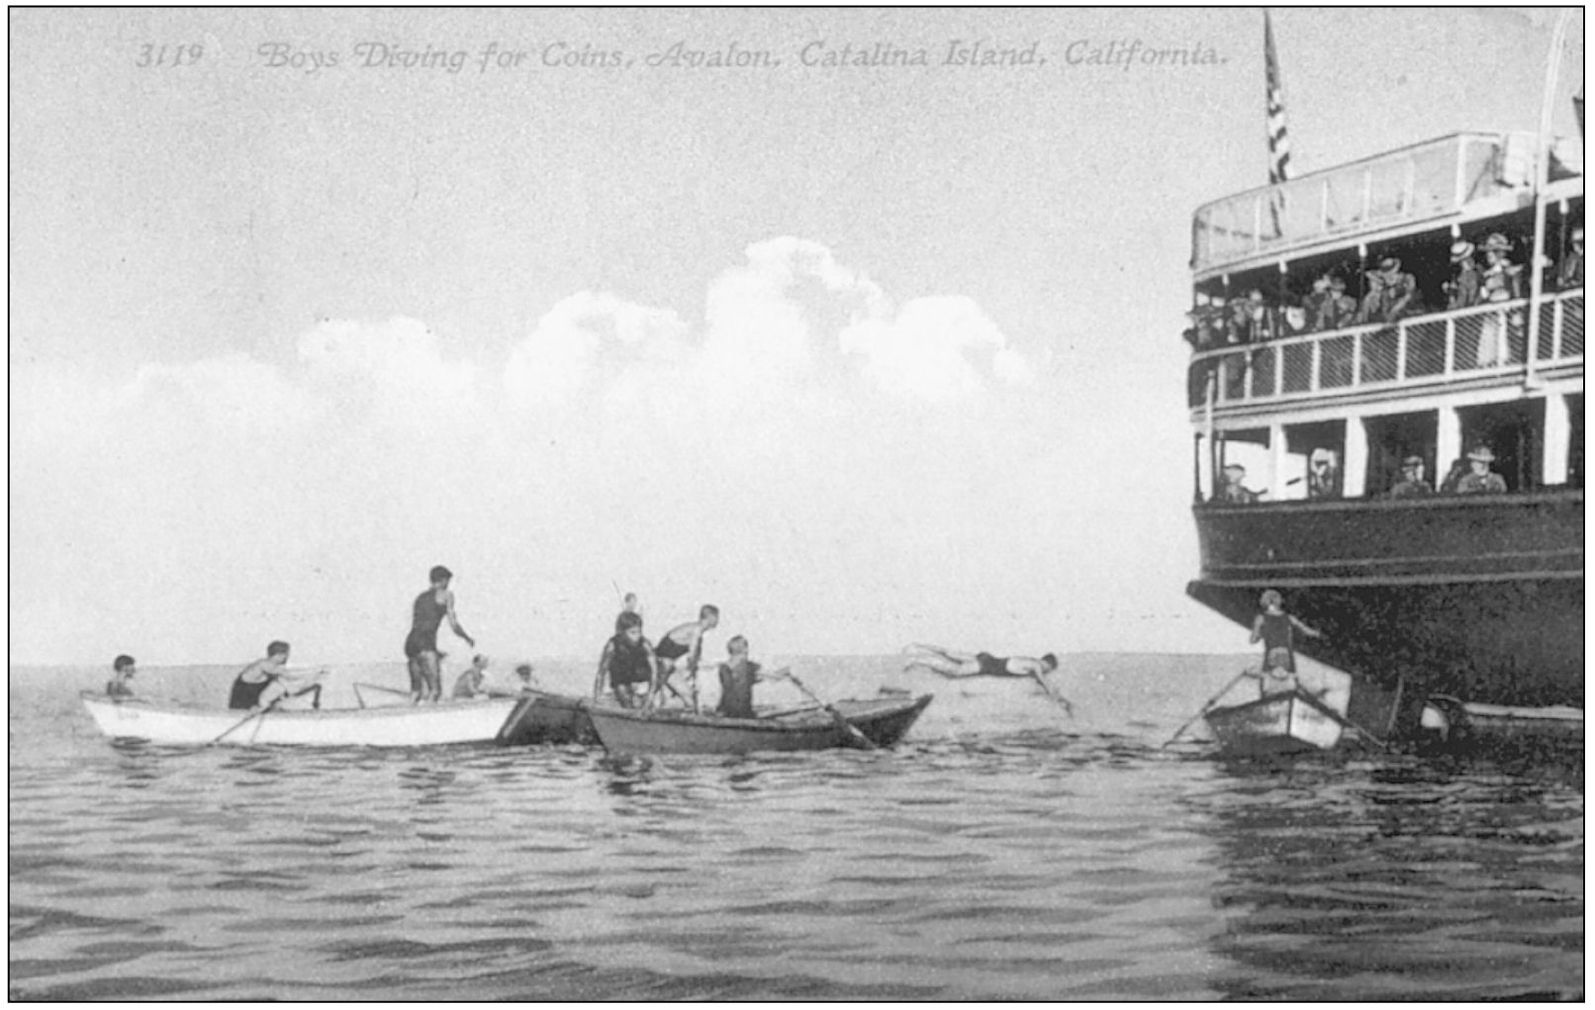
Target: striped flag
[1278, 137]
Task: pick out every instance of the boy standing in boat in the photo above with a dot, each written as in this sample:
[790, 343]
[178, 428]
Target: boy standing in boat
[1277, 630]
[421, 645]
[737, 677]
[686, 640]
[627, 662]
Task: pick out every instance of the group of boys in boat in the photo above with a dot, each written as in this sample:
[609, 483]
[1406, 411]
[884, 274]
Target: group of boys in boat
[636, 670]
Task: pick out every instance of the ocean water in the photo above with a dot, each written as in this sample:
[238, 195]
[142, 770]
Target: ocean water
[1004, 850]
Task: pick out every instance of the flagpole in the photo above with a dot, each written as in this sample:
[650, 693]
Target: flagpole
[1542, 180]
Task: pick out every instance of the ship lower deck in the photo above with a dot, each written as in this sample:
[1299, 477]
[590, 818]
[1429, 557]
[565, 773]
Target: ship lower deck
[1480, 597]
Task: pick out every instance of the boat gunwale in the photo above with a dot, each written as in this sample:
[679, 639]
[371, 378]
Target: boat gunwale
[881, 708]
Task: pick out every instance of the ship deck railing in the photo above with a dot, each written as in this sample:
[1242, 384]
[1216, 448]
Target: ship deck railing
[1434, 179]
[1437, 349]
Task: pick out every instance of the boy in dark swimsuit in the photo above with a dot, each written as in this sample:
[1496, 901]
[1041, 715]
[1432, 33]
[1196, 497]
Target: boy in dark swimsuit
[686, 640]
[1277, 629]
[950, 663]
[737, 677]
[421, 645]
[120, 686]
[253, 680]
[628, 663]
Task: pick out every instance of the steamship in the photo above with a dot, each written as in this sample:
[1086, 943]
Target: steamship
[1306, 374]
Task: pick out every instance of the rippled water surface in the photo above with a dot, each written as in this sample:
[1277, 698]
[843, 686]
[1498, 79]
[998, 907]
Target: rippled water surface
[1003, 851]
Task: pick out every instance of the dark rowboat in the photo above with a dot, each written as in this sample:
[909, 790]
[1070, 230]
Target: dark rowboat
[660, 731]
[548, 718]
[1283, 723]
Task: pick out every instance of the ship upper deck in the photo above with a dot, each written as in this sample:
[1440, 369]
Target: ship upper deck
[1458, 177]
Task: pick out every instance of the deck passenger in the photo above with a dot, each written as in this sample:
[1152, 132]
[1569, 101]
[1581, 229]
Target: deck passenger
[1462, 290]
[1323, 474]
[121, 684]
[1570, 272]
[421, 645]
[1233, 490]
[1412, 483]
[1480, 479]
[954, 664]
[1501, 282]
[1277, 630]
[1391, 293]
[628, 663]
[685, 641]
[473, 682]
[738, 674]
[254, 680]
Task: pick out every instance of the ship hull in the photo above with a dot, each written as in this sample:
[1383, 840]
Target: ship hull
[1479, 597]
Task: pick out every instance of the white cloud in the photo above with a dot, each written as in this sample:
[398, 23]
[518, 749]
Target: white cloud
[393, 371]
[586, 338]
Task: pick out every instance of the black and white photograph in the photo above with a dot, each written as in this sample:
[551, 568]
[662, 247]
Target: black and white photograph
[796, 504]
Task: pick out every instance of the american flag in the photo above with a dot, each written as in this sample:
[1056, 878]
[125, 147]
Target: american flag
[1278, 137]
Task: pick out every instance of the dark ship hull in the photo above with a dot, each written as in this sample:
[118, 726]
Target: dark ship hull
[1479, 597]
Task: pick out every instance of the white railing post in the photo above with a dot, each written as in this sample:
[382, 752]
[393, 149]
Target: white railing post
[1450, 345]
[1354, 465]
[1557, 319]
[1401, 351]
[1503, 337]
[1356, 357]
[1558, 436]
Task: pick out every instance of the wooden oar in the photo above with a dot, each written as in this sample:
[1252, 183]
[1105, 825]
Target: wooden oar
[251, 717]
[379, 687]
[1210, 703]
[841, 720]
[1345, 722]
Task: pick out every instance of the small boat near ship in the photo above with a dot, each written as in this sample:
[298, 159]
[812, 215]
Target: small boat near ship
[477, 721]
[882, 721]
[1284, 723]
[1451, 720]
[541, 717]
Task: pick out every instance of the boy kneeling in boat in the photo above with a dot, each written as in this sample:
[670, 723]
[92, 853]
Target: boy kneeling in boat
[628, 662]
[737, 677]
[253, 680]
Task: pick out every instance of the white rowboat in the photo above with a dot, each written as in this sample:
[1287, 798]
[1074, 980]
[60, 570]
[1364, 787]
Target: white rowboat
[394, 726]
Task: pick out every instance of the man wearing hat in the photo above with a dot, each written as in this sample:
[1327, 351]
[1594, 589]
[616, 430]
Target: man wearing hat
[1390, 292]
[1411, 484]
[1480, 479]
[1234, 491]
[1462, 290]
[1329, 307]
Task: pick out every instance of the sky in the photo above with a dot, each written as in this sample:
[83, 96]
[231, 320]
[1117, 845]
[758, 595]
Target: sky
[865, 355]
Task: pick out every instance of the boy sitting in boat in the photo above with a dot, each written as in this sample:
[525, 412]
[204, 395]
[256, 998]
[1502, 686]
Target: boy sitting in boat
[628, 662]
[471, 683]
[120, 685]
[253, 680]
[685, 640]
[737, 677]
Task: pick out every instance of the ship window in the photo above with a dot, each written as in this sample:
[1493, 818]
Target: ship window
[1306, 444]
[1512, 431]
[1393, 437]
